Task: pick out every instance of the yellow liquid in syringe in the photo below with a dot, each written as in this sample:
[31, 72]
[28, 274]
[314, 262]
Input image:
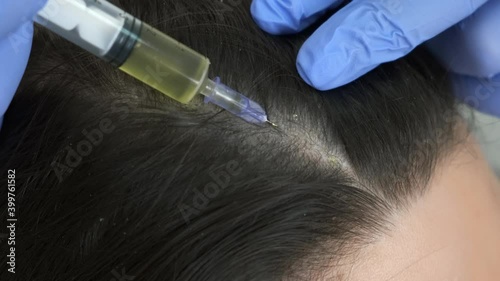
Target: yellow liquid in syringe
[166, 65]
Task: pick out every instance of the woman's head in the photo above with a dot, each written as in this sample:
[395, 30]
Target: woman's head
[113, 175]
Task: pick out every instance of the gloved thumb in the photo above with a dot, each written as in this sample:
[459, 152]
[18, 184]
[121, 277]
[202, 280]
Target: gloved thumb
[16, 32]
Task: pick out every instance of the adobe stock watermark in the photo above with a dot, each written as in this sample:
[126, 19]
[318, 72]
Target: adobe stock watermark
[73, 155]
[83, 148]
[221, 178]
[221, 8]
[225, 6]
[121, 276]
[483, 91]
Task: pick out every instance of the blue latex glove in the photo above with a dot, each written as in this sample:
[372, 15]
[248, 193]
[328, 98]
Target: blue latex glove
[16, 34]
[366, 33]
[472, 50]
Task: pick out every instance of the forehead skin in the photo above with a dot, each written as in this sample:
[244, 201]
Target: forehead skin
[452, 233]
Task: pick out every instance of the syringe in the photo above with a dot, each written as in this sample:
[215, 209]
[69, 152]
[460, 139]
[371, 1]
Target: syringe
[144, 53]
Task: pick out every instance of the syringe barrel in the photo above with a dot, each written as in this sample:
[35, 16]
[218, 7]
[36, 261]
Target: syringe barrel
[135, 47]
[97, 26]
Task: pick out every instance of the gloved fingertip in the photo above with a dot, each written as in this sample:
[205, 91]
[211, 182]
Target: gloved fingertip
[15, 52]
[272, 18]
[16, 13]
[321, 70]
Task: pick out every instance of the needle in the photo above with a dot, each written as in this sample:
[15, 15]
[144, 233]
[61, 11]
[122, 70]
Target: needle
[272, 124]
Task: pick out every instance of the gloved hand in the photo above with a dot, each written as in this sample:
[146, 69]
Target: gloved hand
[366, 33]
[16, 34]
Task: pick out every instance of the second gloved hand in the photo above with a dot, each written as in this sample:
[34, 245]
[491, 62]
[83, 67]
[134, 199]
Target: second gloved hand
[471, 49]
[366, 33]
[16, 32]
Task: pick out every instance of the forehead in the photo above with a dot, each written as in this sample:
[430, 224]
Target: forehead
[451, 233]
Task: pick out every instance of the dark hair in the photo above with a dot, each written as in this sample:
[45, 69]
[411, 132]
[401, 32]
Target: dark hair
[116, 179]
